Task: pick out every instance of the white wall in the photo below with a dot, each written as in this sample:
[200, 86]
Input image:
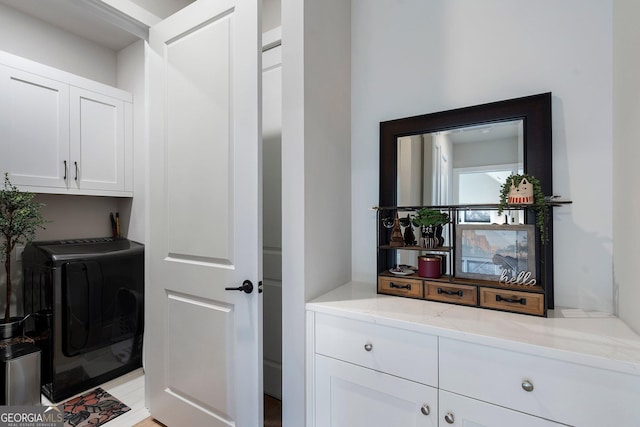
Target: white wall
[316, 197]
[132, 78]
[272, 219]
[34, 39]
[413, 57]
[626, 152]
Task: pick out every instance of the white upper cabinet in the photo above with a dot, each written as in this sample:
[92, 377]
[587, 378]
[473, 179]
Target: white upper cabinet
[97, 149]
[60, 133]
[34, 129]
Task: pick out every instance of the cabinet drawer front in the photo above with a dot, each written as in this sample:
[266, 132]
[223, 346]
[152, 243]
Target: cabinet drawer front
[352, 396]
[462, 411]
[520, 302]
[552, 389]
[399, 352]
[459, 294]
[411, 288]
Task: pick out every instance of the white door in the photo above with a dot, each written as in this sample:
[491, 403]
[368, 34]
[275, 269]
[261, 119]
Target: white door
[203, 358]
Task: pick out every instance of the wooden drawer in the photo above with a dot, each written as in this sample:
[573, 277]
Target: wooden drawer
[561, 391]
[398, 352]
[519, 302]
[450, 292]
[411, 288]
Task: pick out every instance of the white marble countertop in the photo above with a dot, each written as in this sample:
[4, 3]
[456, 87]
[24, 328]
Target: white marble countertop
[594, 340]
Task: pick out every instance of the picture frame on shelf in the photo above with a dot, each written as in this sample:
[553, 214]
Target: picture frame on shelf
[476, 216]
[487, 252]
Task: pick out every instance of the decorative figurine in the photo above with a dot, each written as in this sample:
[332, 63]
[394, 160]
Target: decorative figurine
[396, 234]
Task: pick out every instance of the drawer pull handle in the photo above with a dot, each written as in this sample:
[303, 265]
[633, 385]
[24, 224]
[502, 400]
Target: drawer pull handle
[65, 171]
[522, 301]
[527, 385]
[450, 293]
[394, 286]
[449, 418]
[425, 409]
[368, 347]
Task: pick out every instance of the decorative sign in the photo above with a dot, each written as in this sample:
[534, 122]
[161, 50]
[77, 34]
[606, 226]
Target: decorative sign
[523, 278]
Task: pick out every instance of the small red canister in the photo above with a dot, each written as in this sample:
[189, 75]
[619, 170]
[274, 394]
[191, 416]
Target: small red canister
[430, 266]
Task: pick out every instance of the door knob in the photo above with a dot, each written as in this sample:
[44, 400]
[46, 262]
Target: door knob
[449, 418]
[247, 287]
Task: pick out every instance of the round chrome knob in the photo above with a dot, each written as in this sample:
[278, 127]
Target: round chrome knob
[425, 409]
[368, 347]
[527, 385]
[449, 418]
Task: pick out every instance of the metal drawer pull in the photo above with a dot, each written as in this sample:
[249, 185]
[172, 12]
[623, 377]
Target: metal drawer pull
[527, 385]
[394, 286]
[65, 171]
[449, 418]
[368, 347]
[522, 301]
[451, 293]
[425, 409]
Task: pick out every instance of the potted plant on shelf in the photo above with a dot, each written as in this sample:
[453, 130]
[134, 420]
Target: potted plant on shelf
[522, 190]
[431, 222]
[19, 219]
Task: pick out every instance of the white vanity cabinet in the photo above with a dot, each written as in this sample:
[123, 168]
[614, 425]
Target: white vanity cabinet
[378, 360]
[373, 376]
[60, 133]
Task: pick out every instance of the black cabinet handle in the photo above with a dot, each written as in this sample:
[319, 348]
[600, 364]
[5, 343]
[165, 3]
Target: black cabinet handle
[65, 171]
[394, 286]
[451, 293]
[76, 164]
[522, 301]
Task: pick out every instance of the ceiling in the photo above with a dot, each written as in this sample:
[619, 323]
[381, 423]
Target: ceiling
[87, 18]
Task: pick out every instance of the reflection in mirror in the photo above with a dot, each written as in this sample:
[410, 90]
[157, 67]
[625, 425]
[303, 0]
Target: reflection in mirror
[460, 166]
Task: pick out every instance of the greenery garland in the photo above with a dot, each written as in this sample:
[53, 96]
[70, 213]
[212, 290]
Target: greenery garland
[539, 201]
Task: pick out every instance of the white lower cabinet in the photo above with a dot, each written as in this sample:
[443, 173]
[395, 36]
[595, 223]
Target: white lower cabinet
[461, 411]
[348, 395]
[370, 375]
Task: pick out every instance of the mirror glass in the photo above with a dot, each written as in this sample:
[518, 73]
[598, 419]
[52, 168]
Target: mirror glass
[460, 166]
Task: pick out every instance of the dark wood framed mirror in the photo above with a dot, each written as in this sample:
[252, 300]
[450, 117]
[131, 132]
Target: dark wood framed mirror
[527, 119]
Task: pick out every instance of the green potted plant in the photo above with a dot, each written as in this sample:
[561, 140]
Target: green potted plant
[538, 201]
[19, 219]
[431, 222]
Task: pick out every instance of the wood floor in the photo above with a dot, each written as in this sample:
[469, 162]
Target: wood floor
[272, 415]
[129, 389]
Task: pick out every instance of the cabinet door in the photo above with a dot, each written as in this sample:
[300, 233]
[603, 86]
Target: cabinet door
[348, 395]
[97, 160]
[34, 128]
[460, 411]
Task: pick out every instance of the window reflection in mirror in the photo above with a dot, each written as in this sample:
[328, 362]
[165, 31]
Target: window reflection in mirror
[461, 166]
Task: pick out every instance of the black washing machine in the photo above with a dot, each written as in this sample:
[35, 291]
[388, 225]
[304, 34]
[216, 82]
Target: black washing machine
[86, 300]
